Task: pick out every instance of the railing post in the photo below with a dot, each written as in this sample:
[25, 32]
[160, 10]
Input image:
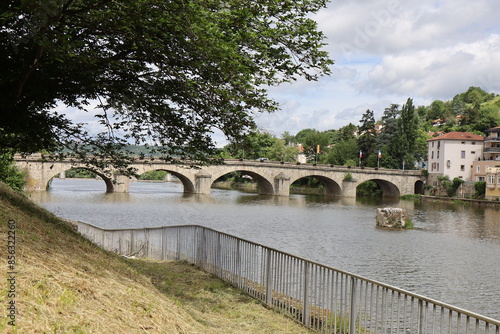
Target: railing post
[163, 244]
[218, 260]
[238, 262]
[352, 316]
[197, 246]
[178, 255]
[269, 278]
[306, 316]
[421, 317]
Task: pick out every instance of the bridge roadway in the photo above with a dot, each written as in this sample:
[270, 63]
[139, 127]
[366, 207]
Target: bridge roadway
[273, 178]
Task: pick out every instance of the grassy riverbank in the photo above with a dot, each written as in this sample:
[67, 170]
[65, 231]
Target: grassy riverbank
[65, 284]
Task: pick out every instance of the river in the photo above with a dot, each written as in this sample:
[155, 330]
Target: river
[452, 255]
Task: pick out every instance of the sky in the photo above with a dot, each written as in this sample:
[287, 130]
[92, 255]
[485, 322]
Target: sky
[387, 51]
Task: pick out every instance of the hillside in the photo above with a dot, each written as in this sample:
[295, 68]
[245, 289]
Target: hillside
[65, 284]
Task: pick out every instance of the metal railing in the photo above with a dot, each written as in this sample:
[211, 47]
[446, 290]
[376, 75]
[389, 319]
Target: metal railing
[320, 297]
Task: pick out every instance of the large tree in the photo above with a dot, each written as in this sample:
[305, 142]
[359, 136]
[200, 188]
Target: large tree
[165, 73]
[367, 135]
[407, 146]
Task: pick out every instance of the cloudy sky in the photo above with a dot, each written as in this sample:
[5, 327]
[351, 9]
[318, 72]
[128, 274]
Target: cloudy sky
[386, 51]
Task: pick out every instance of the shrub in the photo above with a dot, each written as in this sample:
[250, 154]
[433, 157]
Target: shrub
[10, 174]
[480, 188]
[348, 176]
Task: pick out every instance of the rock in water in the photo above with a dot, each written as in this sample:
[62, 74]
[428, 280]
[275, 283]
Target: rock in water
[392, 217]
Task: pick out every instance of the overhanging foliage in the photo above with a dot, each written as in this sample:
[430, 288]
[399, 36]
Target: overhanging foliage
[162, 73]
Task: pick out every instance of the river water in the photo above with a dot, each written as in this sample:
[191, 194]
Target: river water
[452, 255]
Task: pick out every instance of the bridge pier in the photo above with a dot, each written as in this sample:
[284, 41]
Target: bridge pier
[121, 184]
[203, 183]
[349, 188]
[282, 185]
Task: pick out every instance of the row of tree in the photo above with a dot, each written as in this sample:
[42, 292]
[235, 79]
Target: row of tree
[396, 140]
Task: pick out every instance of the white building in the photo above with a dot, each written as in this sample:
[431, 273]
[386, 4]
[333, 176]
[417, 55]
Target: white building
[452, 154]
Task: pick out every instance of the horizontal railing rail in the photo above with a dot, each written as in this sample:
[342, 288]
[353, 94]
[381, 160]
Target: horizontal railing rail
[320, 297]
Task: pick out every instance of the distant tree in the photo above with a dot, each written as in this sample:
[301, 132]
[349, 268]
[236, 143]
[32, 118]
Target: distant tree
[405, 144]
[489, 117]
[310, 139]
[436, 110]
[475, 96]
[389, 126]
[79, 173]
[156, 175]
[367, 134]
[346, 132]
[342, 152]
[470, 116]
[302, 134]
[422, 112]
[288, 138]
[255, 145]
[279, 151]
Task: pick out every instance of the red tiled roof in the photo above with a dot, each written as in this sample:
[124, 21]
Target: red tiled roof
[458, 136]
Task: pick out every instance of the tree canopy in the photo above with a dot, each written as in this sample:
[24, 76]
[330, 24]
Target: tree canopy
[157, 72]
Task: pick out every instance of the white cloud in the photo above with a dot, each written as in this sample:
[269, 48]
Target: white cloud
[386, 51]
[439, 72]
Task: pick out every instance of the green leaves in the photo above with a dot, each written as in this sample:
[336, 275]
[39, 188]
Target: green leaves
[166, 73]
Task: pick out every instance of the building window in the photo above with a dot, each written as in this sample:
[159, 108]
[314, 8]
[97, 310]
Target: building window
[478, 169]
[462, 168]
[480, 178]
[473, 143]
[432, 144]
[439, 144]
[438, 154]
[491, 179]
[432, 155]
[462, 154]
[472, 152]
[463, 142]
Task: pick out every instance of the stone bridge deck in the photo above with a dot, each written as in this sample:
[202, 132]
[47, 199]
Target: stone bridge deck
[273, 178]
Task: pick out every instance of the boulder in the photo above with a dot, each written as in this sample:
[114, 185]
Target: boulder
[392, 217]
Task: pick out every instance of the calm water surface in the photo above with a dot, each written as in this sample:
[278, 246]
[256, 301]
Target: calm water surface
[452, 255]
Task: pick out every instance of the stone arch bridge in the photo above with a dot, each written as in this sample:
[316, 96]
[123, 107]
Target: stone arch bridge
[273, 178]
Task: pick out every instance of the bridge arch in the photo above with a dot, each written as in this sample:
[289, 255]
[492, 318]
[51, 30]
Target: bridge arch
[389, 189]
[62, 169]
[186, 182]
[419, 187]
[332, 188]
[265, 186]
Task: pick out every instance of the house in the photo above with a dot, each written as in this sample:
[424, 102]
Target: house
[493, 183]
[453, 154]
[491, 149]
[490, 156]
